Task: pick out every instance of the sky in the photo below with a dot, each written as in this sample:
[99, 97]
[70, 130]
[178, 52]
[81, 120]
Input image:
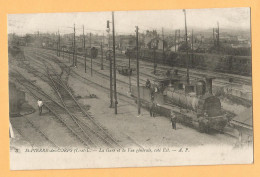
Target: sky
[125, 21]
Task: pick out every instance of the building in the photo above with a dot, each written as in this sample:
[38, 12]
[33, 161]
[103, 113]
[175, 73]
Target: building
[126, 42]
[158, 43]
[149, 35]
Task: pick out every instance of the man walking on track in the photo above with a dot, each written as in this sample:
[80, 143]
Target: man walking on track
[173, 120]
[40, 104]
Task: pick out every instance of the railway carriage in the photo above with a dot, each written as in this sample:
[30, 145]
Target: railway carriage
[222, 63]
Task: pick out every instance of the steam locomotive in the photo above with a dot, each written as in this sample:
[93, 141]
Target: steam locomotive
[193, 104]
[222, 63]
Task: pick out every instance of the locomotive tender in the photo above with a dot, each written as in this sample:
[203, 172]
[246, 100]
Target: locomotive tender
[192, 104]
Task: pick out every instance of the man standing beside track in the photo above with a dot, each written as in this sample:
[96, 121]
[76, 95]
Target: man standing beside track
[152, 109]
[40, 104]
[173, 120]
[148, 84]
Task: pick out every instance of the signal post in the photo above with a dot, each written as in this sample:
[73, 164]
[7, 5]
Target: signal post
[90, 54]
[137, 69]
[114, 56]
[110, 66]
[84, 49]
[187, 48]
[101, 47]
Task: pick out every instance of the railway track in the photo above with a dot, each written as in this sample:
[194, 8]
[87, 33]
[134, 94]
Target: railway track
[221, 78]
[122, 97]
[56, 109]
[95, 71]
[84, 79]
[105, 76]
[76, 126]
[100, 85]
[71, 104]
[219, 83]
[107, 138]
[33, 134]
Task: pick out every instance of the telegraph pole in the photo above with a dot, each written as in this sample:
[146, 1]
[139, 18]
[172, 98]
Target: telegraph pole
[90, 39]
[175, 40]
[90, 53]
[192, 45]
[114, 55]
[110, 66]
[179, 38]
[129, 68]
[218, 37]
[84, 40]
[71, 52]
[83, 47]
[192, 40]
[102, 52]
[57, 45]
[137, 68]
[187, 59]
[213, 36]
[163, 45]
[154, 64]
[62, 48]
[154, 44]
[84, 50]
[59, 42]
[74, 46]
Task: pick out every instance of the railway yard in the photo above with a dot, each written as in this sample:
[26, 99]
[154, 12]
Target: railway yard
[77, 112]
[137, 87]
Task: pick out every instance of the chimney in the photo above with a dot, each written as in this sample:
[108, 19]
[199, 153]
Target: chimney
[209, 84]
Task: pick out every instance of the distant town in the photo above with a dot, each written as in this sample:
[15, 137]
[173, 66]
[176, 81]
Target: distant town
[229, 42]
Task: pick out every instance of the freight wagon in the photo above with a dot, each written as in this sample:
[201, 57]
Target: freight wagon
[222, 63]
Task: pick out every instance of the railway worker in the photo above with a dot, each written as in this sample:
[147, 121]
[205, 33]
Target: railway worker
[148, 84]
[155, 89]
[152, 96]
[152, 109]
[168, 73]
[173, 120]
[40, 105]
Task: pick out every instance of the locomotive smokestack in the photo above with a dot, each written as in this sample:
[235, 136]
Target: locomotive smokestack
[209, 84]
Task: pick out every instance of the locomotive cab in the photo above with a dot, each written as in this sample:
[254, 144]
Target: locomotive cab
[164, 84]
[212, 106]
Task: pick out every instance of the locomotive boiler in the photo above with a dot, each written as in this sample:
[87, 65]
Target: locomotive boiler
[193, 104]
